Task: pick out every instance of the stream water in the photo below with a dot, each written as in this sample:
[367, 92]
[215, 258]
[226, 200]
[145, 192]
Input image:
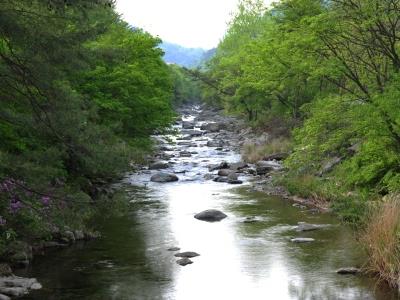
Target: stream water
[238, 260]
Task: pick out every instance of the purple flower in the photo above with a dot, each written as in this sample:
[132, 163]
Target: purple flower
[2, 221]
[45, 200]
[15, 205]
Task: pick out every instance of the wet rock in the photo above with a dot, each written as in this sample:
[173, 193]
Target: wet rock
[185, 154]
[224, 172]
[159, 165]
[237, 181]
[195, 133]
[350, 270]
[302, 240]
[69, 236]
[184, 143]
[187, 125]
[208, 177]
[222, 165]
[238, 166]
[4, 297]
[307, 227]
[211, 127]
[210, 215]
[232, 176]
[221, 179]
[165, 148]
[215, 143]
[164, 177]
[174, 249]
[187, 254]
[264, 167]
[184, 138]
[14, 286]
[184, 261]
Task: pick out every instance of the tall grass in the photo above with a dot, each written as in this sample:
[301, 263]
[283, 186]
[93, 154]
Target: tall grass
[252, 153]
[381, 238]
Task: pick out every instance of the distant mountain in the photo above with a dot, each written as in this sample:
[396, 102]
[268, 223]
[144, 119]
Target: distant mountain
[187, 57]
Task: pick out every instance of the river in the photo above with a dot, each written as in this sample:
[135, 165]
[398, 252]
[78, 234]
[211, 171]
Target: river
[238, 259]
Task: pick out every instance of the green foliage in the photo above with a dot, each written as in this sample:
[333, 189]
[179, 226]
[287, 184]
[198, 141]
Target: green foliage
[331, 66]
[186, 90]
[81, 93]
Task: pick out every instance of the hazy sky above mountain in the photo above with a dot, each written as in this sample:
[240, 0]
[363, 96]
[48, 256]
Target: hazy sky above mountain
[190, 23]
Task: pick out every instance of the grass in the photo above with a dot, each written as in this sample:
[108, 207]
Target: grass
[381, 239]
[252, 153]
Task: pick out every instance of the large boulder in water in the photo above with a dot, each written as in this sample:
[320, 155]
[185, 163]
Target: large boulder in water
[210, 215]
[164, 177]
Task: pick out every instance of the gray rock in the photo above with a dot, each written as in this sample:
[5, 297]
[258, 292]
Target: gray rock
[351, 270]
[184, 261]
[159, 165]
[69, 236]
[174, 249]
[210, 215]
[187, 254]
[215, 143]
[222, 165]
[232, 176]
[187, 125]
[208, 176]
[185, 154]
[302, 240]
[235, 181]
[221, 179]
[15, 286]
[4, 297]
[164, 177]
[224, 172]
[211, 127]
[238, 166]
[307, 227]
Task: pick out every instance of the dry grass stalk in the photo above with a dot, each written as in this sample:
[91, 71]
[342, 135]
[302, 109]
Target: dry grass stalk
[382, 241]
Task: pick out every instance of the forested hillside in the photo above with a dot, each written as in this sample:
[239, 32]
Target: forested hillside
[182, 56]
[329, 71]
[81, 92]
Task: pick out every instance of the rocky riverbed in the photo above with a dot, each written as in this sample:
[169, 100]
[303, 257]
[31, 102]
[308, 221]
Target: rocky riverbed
[198, 227]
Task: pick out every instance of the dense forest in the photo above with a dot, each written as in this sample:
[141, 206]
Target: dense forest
[327, 72]
[81, 93]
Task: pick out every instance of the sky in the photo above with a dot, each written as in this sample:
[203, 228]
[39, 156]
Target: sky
[189, 23]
